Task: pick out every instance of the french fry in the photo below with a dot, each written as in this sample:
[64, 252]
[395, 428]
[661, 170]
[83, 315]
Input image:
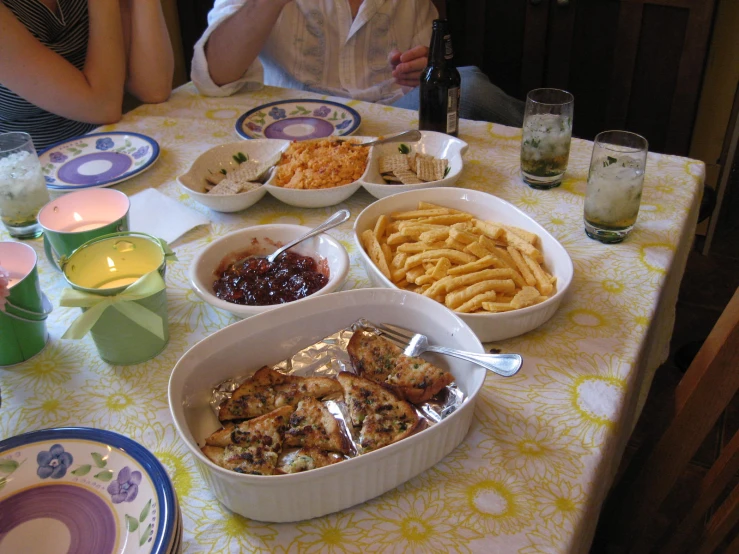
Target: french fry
[414, 273]
[387, 252]
[542, 279]
[465, 237]
[524, 247]
[489, 229]
[435, 235]
[455, 299]
[398, 238]
[527, 296]
[482, 263]
[381, 226]
[528, 236]
[373, 248]
[427, 280]
[474, 304]
[441, 268]
[454, 256]
[497, 307]
[416, 247]
[476, 277]
[399, 259]
[523, 268]
[455, 244]
[415, 214]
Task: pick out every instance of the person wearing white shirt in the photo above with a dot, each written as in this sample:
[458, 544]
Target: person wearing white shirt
[371, 50]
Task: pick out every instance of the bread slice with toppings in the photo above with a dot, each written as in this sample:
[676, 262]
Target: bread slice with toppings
[312, 425]
[251, 447]
[378, 359]
[384, 418]
[268, 389]
[308, 458]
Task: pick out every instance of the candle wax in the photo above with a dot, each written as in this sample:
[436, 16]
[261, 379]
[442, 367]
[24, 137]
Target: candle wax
[84, 226]
[122, 282]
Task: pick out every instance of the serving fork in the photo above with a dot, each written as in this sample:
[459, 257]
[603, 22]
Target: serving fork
[415, 344]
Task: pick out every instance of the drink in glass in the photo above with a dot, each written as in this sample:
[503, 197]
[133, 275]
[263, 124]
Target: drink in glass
[23, 189]
[615, 182]
[547, 133]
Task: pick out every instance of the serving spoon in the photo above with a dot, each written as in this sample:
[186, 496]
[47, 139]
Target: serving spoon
[336, 219]
[407, 136]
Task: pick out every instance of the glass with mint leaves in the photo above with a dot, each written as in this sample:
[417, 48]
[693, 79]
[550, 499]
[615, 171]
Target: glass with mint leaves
[547, 132]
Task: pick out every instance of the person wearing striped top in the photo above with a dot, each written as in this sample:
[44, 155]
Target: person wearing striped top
[65, 63]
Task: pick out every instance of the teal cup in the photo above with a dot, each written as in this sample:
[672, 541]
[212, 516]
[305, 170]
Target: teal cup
[23, 315]
[72, 220]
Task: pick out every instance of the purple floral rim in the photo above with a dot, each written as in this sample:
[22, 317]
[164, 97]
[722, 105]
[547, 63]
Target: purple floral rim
[298, 120]
[98, 159]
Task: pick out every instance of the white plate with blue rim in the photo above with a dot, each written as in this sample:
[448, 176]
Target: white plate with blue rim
[298, 120]
[97, 160]
[75, 489]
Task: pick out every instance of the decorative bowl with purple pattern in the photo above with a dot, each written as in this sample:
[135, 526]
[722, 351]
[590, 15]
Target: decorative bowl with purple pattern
[298, 120]
[97, 160]
[77, 489]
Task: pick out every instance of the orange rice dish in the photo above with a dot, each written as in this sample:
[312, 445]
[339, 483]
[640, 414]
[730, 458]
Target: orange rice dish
[321, 164]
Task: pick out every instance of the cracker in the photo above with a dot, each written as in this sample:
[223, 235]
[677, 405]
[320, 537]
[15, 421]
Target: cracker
[407, 177]
[430, 169]
[388, 164]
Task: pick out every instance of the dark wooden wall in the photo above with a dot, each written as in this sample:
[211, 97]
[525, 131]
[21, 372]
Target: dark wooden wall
[631, 64]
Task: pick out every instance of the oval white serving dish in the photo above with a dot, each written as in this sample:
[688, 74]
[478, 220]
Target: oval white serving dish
[439, 145]
[263, 240]
[276, 335]
[488, 327]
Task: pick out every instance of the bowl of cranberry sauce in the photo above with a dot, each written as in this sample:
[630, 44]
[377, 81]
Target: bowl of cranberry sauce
[231, 273]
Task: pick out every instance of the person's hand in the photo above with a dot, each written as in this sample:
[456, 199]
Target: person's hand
[408, 66]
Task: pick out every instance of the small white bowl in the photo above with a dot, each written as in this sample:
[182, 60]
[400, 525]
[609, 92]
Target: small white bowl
[277, 335]
[262, 240]
[318, 198]
[439, 145]
[488, 327]
[266, 151]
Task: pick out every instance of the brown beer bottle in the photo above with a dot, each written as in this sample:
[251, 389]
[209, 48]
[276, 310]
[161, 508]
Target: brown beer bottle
[440, 85]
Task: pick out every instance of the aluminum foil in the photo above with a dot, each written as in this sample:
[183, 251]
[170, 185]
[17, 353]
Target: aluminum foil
[327, 358]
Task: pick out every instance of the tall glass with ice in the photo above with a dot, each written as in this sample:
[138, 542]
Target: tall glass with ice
[547, 133]
[23, 189]
[615, 182]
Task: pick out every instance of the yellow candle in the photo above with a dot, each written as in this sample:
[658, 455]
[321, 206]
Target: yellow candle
[115, 283]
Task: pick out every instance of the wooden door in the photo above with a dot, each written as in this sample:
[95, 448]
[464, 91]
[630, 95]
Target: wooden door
[631, 64]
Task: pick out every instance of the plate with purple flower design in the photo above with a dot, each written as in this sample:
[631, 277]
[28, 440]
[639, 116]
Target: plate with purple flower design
[76, 489]
[298, 120]
[97, 160]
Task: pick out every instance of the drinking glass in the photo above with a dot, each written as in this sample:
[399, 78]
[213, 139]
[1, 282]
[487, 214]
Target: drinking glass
[615, 180]
[547, 132]
[22, 186]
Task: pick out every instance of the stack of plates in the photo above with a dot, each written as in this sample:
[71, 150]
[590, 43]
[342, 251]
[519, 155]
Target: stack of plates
[85, 491]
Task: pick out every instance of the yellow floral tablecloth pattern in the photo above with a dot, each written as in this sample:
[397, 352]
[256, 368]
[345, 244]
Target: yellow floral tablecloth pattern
[533, 471]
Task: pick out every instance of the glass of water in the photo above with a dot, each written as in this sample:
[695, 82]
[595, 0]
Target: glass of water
[615, 182]
[23, 189]
[547, 133]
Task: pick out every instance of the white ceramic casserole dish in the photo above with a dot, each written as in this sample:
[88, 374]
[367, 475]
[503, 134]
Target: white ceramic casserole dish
[273, 336]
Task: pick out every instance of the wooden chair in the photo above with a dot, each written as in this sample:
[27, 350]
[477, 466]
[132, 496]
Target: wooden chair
[702, 395]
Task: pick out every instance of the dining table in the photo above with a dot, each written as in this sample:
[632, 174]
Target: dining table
[544, 447]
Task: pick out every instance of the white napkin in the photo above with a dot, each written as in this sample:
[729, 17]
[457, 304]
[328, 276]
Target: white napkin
[161, 216]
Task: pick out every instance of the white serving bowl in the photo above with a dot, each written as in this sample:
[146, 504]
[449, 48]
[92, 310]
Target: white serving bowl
[262, 240]
[274, 336]
[266, 151]
[318, 198]
[488, 327]
[439, 145]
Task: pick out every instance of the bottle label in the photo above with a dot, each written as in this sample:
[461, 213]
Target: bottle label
[452, 110]
[448, 52]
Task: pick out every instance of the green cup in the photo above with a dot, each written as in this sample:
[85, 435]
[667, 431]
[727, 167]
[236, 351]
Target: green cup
[23, 319]
[76, 218]
[106, 266]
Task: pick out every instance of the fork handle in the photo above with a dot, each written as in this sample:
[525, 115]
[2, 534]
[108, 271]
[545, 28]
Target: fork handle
[502, 364]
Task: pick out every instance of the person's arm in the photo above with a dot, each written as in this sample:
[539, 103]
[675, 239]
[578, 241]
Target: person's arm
[234, 45]
[150, 61]
[44, 78]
